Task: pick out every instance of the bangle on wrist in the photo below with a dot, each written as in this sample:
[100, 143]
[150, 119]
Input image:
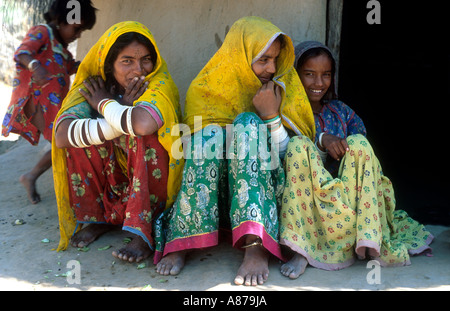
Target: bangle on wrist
[269, 117]
[320, 139]
[272, 120]
[30, 65]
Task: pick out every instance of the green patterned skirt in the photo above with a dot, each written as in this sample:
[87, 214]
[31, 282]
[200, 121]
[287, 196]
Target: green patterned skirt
[239, 189]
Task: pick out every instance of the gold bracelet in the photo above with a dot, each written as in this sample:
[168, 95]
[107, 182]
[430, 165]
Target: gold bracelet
[258, 242]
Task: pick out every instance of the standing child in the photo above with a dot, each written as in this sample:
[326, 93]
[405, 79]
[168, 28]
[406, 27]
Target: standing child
[43, 69]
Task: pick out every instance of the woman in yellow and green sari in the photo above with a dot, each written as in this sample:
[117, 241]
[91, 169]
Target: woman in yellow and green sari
[338, 205]
[112, 145]
[247, 97]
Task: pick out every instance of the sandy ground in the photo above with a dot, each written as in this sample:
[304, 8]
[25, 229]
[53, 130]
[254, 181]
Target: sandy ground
[27, 261]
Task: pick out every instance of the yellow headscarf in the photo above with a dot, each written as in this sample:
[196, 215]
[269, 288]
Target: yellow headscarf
[162, 92]
[225, 87]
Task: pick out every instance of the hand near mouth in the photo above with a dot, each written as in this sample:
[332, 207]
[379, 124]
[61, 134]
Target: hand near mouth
[267, 100]
[134, 90]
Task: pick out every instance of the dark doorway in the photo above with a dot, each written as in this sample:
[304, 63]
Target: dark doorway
[396, 76]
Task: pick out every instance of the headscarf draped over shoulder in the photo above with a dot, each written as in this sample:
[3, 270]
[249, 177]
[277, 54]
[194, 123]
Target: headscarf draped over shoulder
[226, 85]
[162, 92]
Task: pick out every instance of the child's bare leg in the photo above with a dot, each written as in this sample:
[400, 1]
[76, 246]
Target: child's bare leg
[28, 180]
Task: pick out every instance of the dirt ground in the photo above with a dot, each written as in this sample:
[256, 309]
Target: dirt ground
[28, 261]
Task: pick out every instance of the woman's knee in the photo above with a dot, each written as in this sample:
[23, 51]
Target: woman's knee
[359, 142]
[298, 144]
[359, 147]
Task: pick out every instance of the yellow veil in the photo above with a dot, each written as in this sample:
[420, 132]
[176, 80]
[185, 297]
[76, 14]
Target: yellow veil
[226, 85]
[162, 92]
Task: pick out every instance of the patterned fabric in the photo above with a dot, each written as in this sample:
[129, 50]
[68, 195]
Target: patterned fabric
[101, 192]
[330, 220]
[40, 43]
[223, 190]
[340, 120]
[226, 85]
[161, 92]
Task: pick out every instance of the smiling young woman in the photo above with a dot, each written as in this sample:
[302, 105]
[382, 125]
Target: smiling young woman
[337, 204]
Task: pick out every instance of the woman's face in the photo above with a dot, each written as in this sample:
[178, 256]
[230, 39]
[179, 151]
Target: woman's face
[266, 66]
[316, 76]
[133, 61]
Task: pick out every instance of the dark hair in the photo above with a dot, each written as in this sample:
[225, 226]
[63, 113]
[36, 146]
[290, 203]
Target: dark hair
[314, 52]
[122, 42]
[58, 13]
[282, 41]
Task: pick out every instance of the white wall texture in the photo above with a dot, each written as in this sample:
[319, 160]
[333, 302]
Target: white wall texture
[188, 32]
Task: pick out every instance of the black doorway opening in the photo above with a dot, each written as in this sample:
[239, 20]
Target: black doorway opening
[396, 76]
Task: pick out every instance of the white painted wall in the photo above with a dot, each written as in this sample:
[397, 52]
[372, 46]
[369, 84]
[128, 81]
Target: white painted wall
[187, 31]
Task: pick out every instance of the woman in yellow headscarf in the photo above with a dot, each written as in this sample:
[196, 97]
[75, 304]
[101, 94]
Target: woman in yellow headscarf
[112, 156]
[247, 87]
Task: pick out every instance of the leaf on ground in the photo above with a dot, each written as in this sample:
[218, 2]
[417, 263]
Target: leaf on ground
[104, 248]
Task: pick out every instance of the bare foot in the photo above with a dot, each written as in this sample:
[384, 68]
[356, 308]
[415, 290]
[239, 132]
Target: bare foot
[294, 267]
[89, 234]
[29, 183]
[135, 251]
[254, 270]
[28, 180]
[172, 263]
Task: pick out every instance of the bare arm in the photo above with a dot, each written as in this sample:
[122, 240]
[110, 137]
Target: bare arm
[39, 73]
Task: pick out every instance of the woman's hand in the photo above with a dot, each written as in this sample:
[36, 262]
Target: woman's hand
[336, 146]
[97, 91]
[134, 90]
[267, 100]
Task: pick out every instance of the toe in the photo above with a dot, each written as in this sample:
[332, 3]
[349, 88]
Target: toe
[167, 269]
[239, 280]
[176, 269]
[159, 267]
[261, 279]
[248, 280]
[139, 259]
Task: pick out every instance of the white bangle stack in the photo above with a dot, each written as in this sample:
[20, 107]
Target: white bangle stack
[113, 112]
[111, 125]
[280, 136]
[108, 131]
[89, 128]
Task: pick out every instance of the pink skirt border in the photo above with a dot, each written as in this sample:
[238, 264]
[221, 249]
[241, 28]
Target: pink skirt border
[212, 239]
